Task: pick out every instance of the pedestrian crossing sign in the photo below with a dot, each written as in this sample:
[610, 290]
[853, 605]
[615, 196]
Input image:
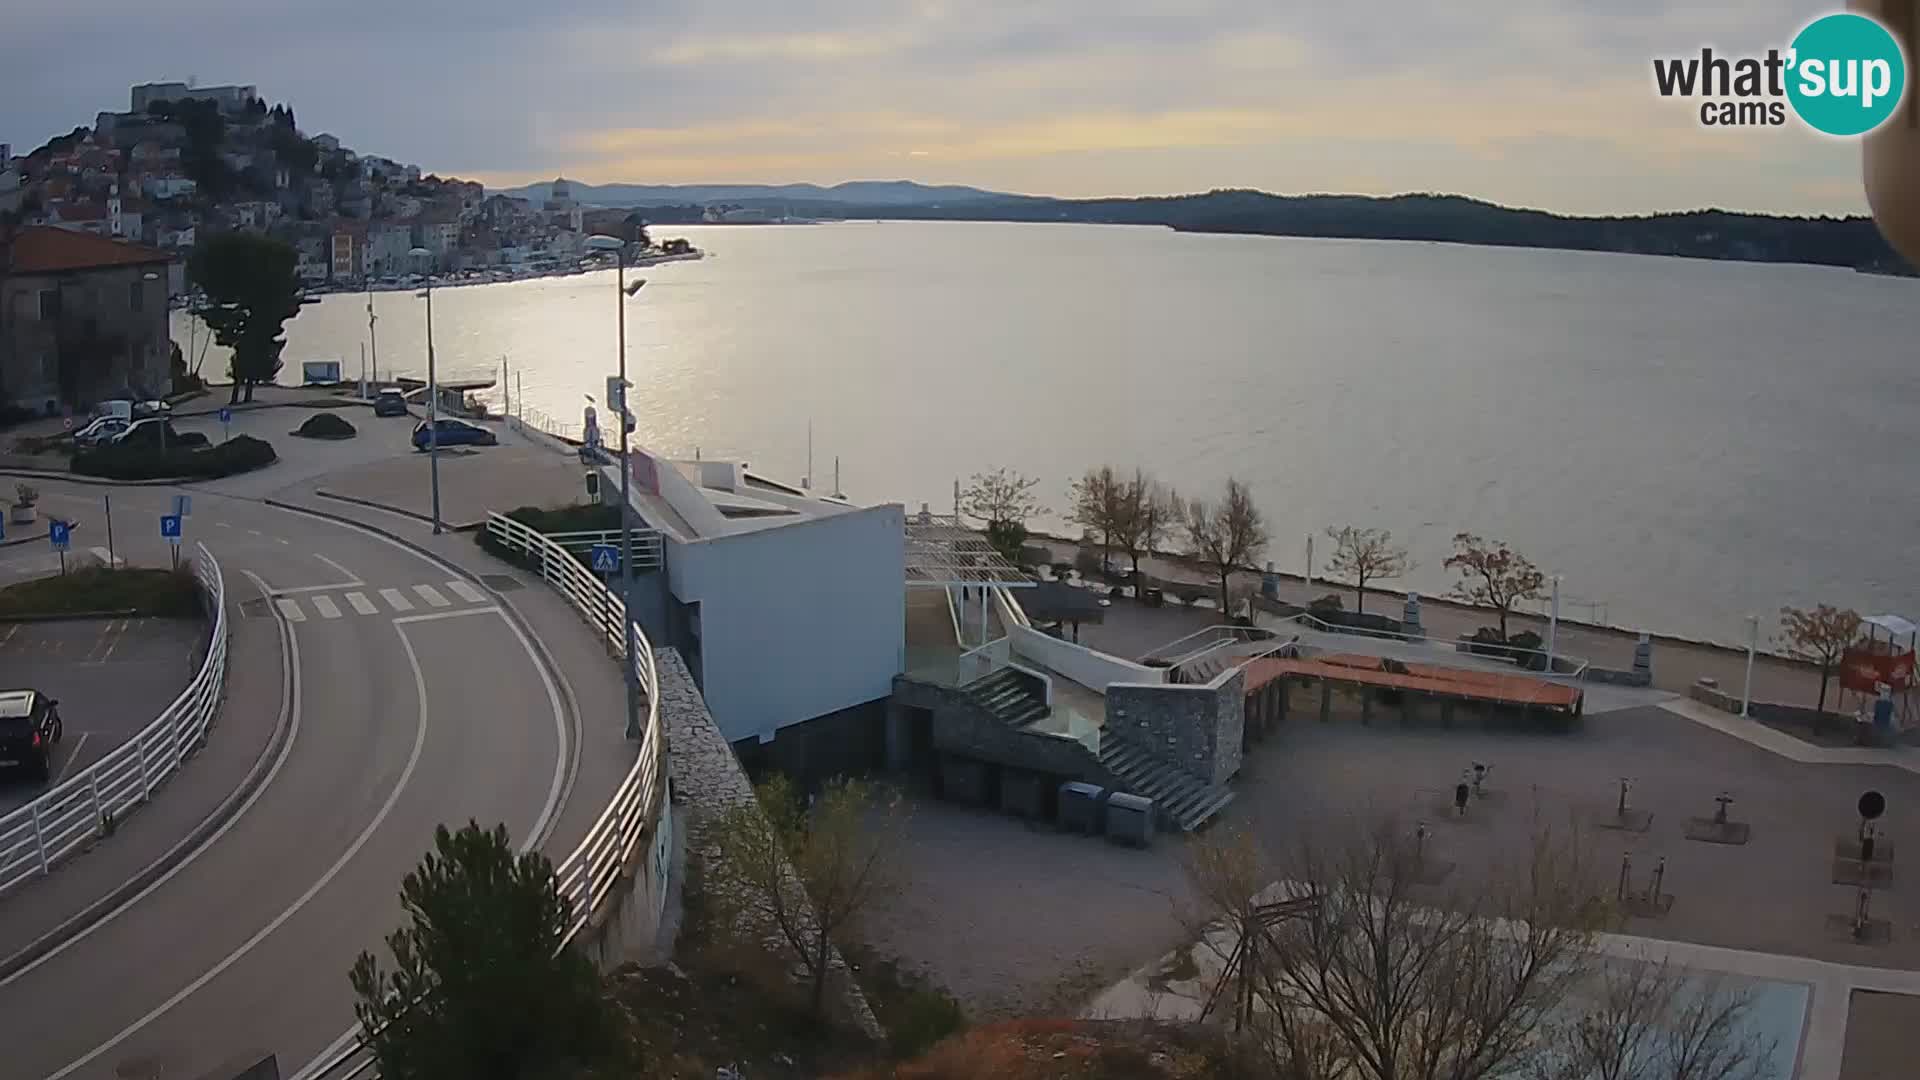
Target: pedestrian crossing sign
[606, 558]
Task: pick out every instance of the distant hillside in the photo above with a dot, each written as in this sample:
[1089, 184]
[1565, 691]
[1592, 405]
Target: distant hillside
[1703, 234]
[869, 192]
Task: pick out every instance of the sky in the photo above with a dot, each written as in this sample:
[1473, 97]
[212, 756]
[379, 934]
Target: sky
[1547, 104]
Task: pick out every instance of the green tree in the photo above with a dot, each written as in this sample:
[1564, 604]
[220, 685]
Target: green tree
[251, 291]
[1002, 500]
[806, 876]
[481, 986]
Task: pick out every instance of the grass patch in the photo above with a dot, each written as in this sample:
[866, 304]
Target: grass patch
[164, 593]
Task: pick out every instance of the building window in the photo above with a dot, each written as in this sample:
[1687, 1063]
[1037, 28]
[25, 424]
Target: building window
[49, 304]
[137, 296]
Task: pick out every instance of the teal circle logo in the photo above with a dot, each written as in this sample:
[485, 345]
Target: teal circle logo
[1846, 74]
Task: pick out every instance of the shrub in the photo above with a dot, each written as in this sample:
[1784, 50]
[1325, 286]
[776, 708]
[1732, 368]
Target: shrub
[242, 453]
[325, 425]
[1190, 593]
[1325, 604]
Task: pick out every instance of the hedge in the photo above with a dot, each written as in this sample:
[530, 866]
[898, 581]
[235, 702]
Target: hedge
[165, 593]
[325, 426]
[242, 453]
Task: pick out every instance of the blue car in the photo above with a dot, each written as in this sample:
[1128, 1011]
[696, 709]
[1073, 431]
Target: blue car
[453, 432]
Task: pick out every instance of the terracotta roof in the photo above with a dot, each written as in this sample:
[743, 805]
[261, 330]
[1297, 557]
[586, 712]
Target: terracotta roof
[1461, 683]
[41, 249]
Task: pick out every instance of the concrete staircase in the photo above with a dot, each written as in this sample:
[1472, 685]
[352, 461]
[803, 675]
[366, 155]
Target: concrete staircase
[1010, 696]
[1180, 797]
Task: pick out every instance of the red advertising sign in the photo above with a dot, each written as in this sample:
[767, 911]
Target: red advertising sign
[1865, 671]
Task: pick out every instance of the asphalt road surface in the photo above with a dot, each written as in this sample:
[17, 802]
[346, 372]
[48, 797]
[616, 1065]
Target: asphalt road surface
[110, 676]
[416, 703]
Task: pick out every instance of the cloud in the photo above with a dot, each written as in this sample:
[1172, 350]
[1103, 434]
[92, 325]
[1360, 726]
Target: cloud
[1547, 104]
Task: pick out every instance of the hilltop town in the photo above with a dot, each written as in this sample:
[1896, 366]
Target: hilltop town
[185, 161]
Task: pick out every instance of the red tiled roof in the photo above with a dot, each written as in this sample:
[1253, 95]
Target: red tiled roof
[42, 249]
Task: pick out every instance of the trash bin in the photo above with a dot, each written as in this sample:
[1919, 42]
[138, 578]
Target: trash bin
[1153, 596]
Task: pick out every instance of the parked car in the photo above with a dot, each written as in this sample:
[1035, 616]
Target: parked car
[29, 726]
[390, 402]
[451, 432]
[100, 430]
[153, 430]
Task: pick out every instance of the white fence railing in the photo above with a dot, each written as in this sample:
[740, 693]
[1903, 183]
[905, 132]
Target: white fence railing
[94, 800]
[592, 872]
[647, 546]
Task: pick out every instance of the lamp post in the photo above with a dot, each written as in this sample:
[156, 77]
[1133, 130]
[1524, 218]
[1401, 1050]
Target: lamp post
[622, 292]
[433, 398]
[1753, 643]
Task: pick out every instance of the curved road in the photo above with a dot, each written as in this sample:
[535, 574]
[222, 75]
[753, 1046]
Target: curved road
[413, 702]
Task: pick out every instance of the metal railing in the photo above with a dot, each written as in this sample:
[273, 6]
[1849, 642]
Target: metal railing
[593, 871]
[1424, 649]
[96, 799]
[647, 546]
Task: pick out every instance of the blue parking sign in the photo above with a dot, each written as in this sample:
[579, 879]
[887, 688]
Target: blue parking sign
[170, 527]
[60, 533]
[226, 415]
[606, 558]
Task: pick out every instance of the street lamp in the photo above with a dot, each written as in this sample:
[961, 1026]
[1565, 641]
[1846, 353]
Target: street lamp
[600, 242]
[433, 397]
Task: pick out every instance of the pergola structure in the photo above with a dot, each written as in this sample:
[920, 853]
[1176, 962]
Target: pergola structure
[943, 553]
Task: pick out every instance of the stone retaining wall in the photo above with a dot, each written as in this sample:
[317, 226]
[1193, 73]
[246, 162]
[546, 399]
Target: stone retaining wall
[1199, 728]
[709, 781]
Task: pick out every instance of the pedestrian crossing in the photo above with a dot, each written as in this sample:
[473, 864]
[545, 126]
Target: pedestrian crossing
[361, 602]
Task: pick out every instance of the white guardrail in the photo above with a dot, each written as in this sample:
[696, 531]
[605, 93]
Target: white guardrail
[594, 869]
[94, 800]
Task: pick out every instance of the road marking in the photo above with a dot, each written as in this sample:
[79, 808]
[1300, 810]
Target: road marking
[396, 599]
[221, 525]
[111, 638]
[438, 615]
[257, 532]
[361, 604]
[11, 630]
[432, 596]
[71, 758]
[352, 578]
[327, 608]
[289, 716]
[291, 609]
[467, 592]
[234, 957]
[284, 541]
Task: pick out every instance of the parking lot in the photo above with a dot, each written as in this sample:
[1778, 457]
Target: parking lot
[110, 676]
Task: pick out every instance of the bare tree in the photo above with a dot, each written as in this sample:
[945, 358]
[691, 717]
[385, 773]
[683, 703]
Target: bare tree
[807, 876]
[1228, 534]
[1822, 634]
[1640, 1020]
[1002, 500]
[1492, 575]
[1363, 555]
[1099, 502]
[1151, 510]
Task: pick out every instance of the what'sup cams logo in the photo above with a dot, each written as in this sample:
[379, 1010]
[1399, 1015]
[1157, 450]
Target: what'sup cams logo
[1843, 75]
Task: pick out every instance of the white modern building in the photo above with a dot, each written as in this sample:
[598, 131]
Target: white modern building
[789, 607]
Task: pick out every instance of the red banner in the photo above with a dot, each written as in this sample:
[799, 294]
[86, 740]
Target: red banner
[1865, 671]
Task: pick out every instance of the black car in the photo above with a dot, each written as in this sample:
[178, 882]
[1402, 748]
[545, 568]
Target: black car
[29, 726]
[389, 402]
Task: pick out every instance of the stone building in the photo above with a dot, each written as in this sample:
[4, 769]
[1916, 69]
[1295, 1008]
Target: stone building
[82, 318]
